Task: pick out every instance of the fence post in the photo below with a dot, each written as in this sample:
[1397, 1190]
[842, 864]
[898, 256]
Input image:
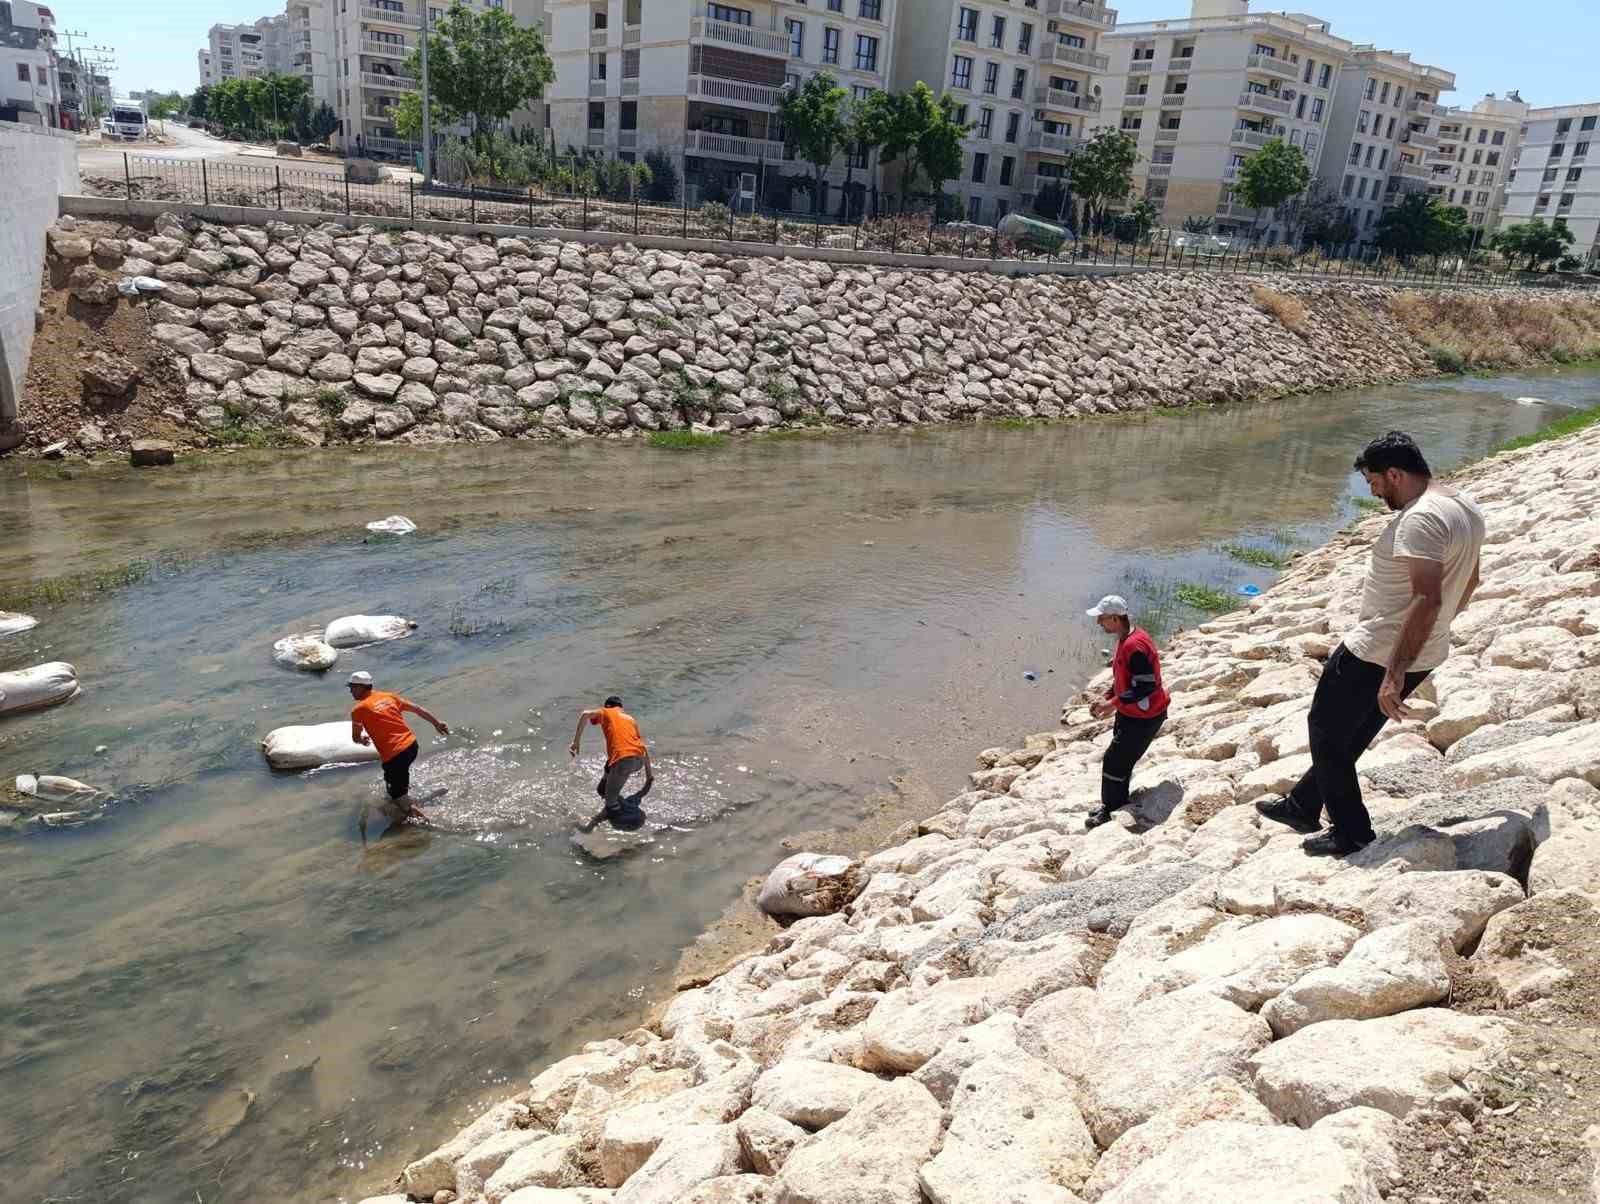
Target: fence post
[730, 223]
[346, 190]
[205, 183]
[816, 233]
[277, 175]
[962, 253]
[855, 236]
[932, 220]
[530, 208]
[472, 202]
[127, 175]
[686, 208]
[411, 201]
[994, 244]
[894, 236]
[636, 212]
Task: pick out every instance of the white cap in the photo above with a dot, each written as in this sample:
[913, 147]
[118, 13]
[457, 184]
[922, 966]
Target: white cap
[361, 678]
[1111, 604]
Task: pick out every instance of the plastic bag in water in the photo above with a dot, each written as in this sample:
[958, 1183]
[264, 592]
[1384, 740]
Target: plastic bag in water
[352, 631]
[395, 524]
[40, 686]
[808, 884]
[50, 788]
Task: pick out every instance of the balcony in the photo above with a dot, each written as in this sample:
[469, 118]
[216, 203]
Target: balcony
[1230, 173]
[1166, 137]
[1060, 98]
[597, 39]
[632, 35]
[1439, 156]
[597, 89]
[1180, 64]
[597, 138]
[1255, 139]
[1268, 65]
[726, 146]
[1236, 211]
[1159, 171]
[1033, 184]
[1135, 100]
[733, 92]
[1420, 138]
[1171, 100]
[388, 83]
[1412, 171]
[740, 37]
[1079, 10]
[1425, 108]
[1140, 66]
[388, 146]
[385, 50]
[1053, 144]
[630, 85]
[405, 20]
[1055, 52]
[1260, 102]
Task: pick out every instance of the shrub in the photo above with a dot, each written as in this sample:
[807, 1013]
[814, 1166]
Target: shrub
[1447, 359]
[1569, 425]
[1290, 311]
[1261, 558]
[1499, 330]
[685, 440]
[1205, 597]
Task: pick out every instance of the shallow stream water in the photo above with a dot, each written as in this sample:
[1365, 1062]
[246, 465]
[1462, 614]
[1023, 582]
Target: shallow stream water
[217, 993]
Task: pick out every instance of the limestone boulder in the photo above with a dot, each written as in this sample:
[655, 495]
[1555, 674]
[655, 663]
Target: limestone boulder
[873, 1154]
[731, 1189]
[811, 1094]
[1397, 1064]
[549, 1162]
[767, 1140]
[631, 1136]
[1533, 949]
[1391, 970]
[996, 1036]
[1571, 753]
[1462, 901]
[687, 1157]
[910, 1026]
[437, 1171]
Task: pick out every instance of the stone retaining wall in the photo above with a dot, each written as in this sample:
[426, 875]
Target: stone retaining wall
[1013, 1009]
[325, 333]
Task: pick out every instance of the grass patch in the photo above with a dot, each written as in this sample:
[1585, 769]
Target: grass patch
[685, 440]
[1204, 597]
[1561, 427]
[1370, 504]
[53, 591]
[1262, 558]
[239, 436]
[1290, 311]
[1465, 330]
[1014, 424]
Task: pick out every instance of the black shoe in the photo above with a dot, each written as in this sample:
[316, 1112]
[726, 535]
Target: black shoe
[1096, 818]
[1286, 810]
[1333, 843]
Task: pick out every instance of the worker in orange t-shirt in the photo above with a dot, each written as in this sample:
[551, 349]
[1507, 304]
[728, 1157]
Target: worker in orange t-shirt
[626, 754]
[378, 718]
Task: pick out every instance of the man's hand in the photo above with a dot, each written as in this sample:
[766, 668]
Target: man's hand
[1389, 698]
[363, 738]
[1102, 709]
[573, 748]
[441, 727]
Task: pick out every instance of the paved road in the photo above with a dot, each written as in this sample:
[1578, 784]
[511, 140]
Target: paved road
[105, 158]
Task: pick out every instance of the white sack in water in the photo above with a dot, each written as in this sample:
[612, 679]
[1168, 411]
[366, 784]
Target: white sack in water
[53, 789]
[40, 686]
[12, 623]
[395, 524]
[310, 745]
[354, 630]
[808, 884]
[307, 652]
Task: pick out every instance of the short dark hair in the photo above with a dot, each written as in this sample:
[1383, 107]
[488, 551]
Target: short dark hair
[1394, 450]
[613, 701]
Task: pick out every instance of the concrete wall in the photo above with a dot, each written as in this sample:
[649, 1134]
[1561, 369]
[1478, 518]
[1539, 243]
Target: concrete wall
[39, 167]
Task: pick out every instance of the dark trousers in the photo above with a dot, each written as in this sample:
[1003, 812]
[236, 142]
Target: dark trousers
[622, 811]
[1130, 739]
[397, 771]
[1344, 720]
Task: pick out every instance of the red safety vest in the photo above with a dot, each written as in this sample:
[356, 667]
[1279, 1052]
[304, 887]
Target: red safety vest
[1122, 677]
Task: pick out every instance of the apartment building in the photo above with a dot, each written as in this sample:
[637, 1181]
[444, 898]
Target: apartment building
[1386, 124]
[702, 81]
[246, 51]
[30, 87]
[1555, 175]
[205, 67]
[1481, 144]
[1203, 94]
[1026, 76]
[308, 46]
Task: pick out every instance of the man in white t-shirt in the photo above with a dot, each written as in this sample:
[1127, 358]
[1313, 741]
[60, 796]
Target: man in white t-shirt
[1423, 570]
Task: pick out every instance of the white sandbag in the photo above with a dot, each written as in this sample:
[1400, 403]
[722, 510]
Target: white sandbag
[132, 286]
[40, 686]
[354, 630]
[313, 744]
[50, 788]
[12, 623]
[395, 524]
[307, 652]
[808, 884]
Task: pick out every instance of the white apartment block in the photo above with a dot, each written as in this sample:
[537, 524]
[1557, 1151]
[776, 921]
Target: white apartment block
[1025, 75]
[30, 84]
[1553, 177]
[1203, 94]
[1386, 120]
[1480, 146]
[242, 51]
[308, 40]
[205, 66]
[701, 82]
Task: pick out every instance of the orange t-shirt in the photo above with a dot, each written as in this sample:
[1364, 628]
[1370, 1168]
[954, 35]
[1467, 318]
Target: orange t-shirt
[622, 734]
[379, 713]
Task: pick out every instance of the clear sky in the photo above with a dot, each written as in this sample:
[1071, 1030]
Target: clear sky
[1545, 48]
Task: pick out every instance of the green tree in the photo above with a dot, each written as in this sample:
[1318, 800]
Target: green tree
[939, 148]
[1102, 172]
[909, 115]
[1307, 215]
[814, 126]
[867, 123]
[406, 116]
[1539, 242]
[1271, 176]
[198, 102]
[484, 66]
[160, 108]
[1419, 225]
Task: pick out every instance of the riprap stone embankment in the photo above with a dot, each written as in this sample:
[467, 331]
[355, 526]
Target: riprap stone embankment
[1015, 1010]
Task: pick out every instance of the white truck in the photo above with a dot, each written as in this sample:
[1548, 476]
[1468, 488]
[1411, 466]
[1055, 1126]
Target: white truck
[127, 119]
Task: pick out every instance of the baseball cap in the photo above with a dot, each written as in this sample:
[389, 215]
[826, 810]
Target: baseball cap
[1111, 604]
[361, 678]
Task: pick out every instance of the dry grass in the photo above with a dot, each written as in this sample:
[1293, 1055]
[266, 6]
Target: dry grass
[1290, 311]
[1471, 330]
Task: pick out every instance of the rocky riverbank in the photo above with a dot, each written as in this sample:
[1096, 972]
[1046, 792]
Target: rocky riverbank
[1180, 1005]
[283, 335]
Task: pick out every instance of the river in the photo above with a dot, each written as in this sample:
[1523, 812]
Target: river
[217, 992]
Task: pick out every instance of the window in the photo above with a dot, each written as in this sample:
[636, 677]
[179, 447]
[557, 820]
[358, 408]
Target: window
[1371, 150]
[1472, 177]
[967, 25]
[1477, 156]
[861, 91]
[975, 209]
[836, 6]
[1363, 118]
[1025, 39]
[1586, 124]
[1543, 202]
[1349, 185]
[1300, 109]
[830, 44]
[1361, 189]
[1355, 152]
[1558, 150]
[1141, 54]
[1390, 134]
[985, 123]
[1563, 125]
[1310, 66]
[1019, 82]
[1578, 152]
[1372, 88]
[997, 34]
[1566, 200]
[1493, 157]
[1265, 51]
[961, 72]
[961, 114]
[1499, 138]
[1316, 109]
[43, 75]
[858, 155]
[1013, 128]
[722, 12]
[980, 167]
[797, 38]
[1007, 166]
[1131, 121]
[1483, 136]
[630, 114]
[866, 52]
[597, 115]
[1383, 97]
[22, 72]
[597, 66]
[1488, 177]
[1294, 137]
[1001, 208]
[872, 10]
[1574, 174]
[1325, 76]
[991, 78]
[1383, 159]
[1549, 175]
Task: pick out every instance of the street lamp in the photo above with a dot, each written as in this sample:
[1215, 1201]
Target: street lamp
[427, 118]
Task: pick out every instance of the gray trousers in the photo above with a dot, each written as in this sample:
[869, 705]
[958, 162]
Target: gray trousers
[622, 812]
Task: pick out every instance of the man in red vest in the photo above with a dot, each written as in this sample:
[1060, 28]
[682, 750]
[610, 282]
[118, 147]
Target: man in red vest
[1136, 698]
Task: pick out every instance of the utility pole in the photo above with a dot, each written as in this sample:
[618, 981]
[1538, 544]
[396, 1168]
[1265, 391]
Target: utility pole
[427, 117]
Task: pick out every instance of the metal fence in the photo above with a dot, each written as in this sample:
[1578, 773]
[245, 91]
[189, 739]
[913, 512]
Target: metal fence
[330, 189]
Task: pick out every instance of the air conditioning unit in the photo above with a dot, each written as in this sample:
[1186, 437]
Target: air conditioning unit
[1290, 94]
[1052, 26]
